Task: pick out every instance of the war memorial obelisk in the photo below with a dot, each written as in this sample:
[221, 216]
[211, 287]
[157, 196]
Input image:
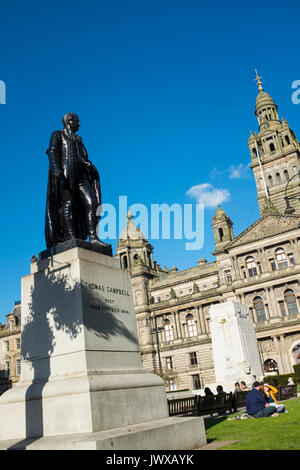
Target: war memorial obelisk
[82, 382]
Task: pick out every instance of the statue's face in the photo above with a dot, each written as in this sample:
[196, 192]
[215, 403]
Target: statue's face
[71, 121]
[74, 123]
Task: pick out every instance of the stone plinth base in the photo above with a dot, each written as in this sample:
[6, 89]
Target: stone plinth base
[81, 369]
[164, 434]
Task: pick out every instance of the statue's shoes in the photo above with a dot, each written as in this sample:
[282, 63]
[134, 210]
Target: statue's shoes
[98, 242]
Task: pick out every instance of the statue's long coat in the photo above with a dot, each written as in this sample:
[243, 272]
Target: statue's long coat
[54, 229]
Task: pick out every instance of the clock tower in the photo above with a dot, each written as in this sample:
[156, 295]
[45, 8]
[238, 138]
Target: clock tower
[275, 156]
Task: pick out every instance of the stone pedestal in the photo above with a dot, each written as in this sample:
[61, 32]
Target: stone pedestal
[235, 349]
[82, 382]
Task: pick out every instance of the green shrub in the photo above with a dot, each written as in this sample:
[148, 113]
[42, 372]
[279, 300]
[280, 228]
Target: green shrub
[297, 370]
[279, 380]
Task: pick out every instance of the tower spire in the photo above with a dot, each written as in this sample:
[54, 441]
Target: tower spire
[258, 82]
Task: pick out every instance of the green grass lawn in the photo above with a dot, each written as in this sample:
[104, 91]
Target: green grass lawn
[280, 433]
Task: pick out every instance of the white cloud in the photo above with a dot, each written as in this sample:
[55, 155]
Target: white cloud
[239, 171]
[208, 195]
[215, 172]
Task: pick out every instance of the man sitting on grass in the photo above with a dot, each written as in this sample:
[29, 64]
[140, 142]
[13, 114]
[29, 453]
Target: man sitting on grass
[256, 403]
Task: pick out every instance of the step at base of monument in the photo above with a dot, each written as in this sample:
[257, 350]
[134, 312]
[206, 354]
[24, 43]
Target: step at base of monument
[174, 433]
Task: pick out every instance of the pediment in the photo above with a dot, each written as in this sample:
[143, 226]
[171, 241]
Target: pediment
[266, 227]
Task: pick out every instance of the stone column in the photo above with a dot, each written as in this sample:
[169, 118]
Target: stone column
[176, 324]
[270, 296]
[285, 354]
[264, 263]
[179, 325]
[236, 271]
[200, 317]
[278, 355]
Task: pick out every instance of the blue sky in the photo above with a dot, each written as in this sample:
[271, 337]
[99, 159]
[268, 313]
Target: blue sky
[165, 92]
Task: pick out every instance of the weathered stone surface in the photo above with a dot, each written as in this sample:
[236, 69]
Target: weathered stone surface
[81, 363]
[235, 349]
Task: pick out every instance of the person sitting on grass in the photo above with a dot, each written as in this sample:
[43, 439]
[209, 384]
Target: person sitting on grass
[256, 404]
[270, 392]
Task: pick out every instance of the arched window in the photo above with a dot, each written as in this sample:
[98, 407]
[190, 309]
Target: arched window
[270, 181]
[168, 331]
[291, 302]
[270, 366]
[281, 258]
[259, 308]
[296, 353]
[191, 327]
[254, 152]
[278, 178]
[251, 266]
[125, 262]
[272, 147]
[221, 234]
[286, 175]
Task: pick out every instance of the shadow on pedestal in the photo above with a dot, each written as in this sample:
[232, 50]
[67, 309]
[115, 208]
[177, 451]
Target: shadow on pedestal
[46, 316]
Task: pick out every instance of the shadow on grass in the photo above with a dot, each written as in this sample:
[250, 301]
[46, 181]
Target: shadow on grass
[211, 422]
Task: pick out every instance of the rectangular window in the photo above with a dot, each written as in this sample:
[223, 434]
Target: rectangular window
[11, 325]
[228, 277]
[18, 367]
[172, 385]
[18, 343]
[6, 345]
[181, 292]
[193, 358]
[282, 308]
[205, 287]
[169, 362]
[196, 382]
[190, 290]
[168, 296]
[158, 299]
[272, 264]
[169, 335]
[259, 267]
[291, 259]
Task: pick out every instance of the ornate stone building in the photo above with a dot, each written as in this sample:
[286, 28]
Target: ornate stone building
[10, 349]
[260, 268]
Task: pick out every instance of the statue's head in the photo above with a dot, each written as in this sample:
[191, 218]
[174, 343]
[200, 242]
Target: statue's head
[71, 122]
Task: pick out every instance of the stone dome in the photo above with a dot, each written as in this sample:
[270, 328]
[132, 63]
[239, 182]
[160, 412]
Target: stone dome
[131, 232]
[220, 214]
[264, 99]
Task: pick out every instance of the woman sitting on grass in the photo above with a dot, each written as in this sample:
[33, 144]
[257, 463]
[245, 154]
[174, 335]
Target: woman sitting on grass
[269, 392]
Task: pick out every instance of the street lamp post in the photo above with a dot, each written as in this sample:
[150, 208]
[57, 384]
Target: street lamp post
[156, 329]
[290, 209]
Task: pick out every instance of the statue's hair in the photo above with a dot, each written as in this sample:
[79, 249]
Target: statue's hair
[67, 117]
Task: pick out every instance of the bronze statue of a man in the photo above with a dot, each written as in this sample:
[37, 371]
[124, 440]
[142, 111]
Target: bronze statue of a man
[74, 191]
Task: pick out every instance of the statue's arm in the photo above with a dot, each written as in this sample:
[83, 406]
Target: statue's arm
[54, 154]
